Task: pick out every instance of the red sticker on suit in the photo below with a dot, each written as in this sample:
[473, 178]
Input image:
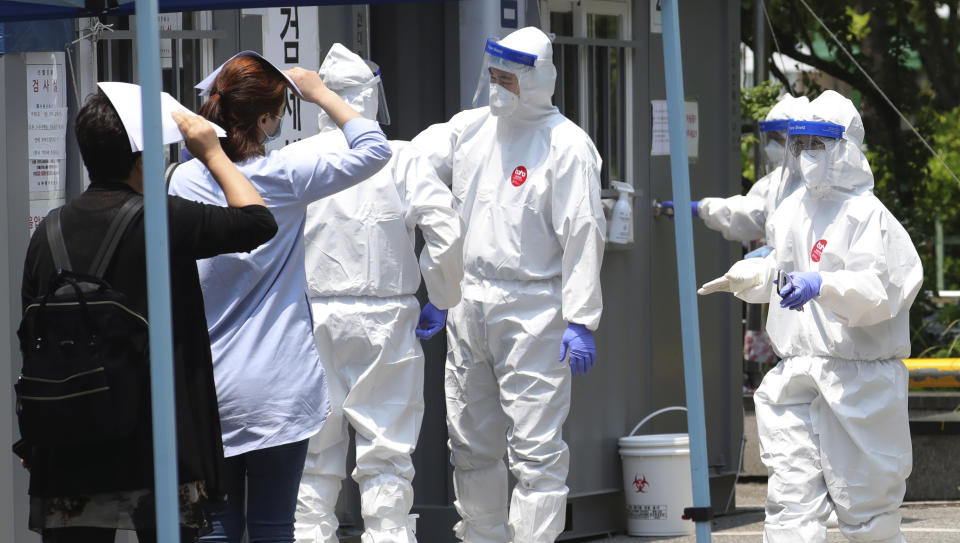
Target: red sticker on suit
[817, 251]
[519, 176]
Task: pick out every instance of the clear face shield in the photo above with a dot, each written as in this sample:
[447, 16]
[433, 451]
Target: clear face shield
[773, 138]
[383, 114]
[812, 148]
[500, 75]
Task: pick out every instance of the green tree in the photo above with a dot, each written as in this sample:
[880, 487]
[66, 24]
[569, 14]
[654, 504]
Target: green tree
[755, 103]
[911, 48]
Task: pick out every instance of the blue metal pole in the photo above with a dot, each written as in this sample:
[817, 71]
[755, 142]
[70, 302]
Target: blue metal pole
[686, 279]
[158, 276]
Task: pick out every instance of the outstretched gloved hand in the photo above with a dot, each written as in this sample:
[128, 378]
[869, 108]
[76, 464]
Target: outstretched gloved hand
[578, 340]
[743, 275]
[800, 288]
[694, 207]
[432, 320]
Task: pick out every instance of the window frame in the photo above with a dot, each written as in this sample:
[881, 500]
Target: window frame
[580, 10]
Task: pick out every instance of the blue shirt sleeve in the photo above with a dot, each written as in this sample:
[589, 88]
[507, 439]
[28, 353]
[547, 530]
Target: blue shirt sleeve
[316, 176]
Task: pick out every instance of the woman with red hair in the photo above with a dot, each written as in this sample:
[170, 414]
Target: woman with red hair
[270, 383]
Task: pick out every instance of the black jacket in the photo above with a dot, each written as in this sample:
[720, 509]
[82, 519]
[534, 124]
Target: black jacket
[195, 231]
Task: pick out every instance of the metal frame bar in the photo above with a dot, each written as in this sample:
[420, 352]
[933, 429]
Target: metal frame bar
[686, 280]
[169, 34]
[158, 276]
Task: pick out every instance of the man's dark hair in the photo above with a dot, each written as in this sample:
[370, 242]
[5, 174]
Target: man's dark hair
[103, 141]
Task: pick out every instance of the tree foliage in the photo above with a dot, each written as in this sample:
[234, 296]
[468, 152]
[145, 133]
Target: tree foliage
[911, 50]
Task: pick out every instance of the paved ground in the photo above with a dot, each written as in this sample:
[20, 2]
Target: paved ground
[923, 522]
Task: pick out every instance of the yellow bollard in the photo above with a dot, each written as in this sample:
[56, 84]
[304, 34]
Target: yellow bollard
[934, 372]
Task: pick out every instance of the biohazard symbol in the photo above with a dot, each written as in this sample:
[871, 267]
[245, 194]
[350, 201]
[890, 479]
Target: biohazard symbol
[641, 483]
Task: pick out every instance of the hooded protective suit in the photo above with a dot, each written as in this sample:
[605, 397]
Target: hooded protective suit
[527, 186]
[832, 416]
[362, 274]
[743, 218]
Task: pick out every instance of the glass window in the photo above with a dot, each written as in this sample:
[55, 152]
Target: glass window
[603, 26]
[566, 95]
[593, 74]
[561, 22]
[606, 127]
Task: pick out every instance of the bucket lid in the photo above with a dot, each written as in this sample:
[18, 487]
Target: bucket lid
[655, 440]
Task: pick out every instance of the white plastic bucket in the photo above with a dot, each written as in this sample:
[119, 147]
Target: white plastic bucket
[656, 481]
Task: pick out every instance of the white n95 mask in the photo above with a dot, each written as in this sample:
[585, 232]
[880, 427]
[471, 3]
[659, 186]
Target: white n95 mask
[813, 168]
[502, 101]
[774, 152]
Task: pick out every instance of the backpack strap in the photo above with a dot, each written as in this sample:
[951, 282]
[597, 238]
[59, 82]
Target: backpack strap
[118, 226]
[168, 175]
[61, 259]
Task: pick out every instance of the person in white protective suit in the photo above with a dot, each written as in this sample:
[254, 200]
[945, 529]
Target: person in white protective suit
[526, 182]
[832, 416]
[362, 274]
[743, 217]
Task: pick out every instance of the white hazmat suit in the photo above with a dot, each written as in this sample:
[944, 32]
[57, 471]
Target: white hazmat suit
[744, 217]
[526, 182]
[362, 273]
[832, 416]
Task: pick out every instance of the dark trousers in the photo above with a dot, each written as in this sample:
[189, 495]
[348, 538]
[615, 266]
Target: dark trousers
[262, 488]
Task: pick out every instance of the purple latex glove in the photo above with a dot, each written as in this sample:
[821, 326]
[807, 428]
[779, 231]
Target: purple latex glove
[799, 288]
[694, 207]
[578, 340]
[432, 320]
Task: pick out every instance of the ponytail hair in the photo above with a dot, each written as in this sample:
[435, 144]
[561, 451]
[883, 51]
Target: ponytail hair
[245, 89]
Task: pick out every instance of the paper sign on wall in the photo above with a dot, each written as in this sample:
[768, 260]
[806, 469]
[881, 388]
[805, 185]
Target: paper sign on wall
[656, 17]
[46, 133]
[169, 22]
[39, 209]
[290, 39]
[660, 137]
[46, 106]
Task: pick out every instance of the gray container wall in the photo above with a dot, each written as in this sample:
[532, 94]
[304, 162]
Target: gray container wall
[13, 241]
[639, 340]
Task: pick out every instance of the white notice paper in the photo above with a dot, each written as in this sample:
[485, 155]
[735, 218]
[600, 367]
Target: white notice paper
[656, 18]
[660, 136]
[125, 97]
[46, 107]
[39, 210]
[170, 22]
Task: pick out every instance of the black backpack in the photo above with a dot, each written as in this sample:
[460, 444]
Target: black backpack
[85, 375]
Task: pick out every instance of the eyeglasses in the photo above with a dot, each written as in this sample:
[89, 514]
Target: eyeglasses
[807, 142]
[502, 78]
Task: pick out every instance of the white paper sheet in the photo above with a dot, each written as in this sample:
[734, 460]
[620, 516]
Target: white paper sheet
[125, 97]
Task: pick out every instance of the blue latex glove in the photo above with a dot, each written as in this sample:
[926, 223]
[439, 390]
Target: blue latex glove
[760, 252]
[578, 340]
[432, 320]
[694, 207]
[799, 288]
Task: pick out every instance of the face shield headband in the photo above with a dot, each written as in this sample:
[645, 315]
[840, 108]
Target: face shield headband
[813, 148]
[780, 125]
[502, 58]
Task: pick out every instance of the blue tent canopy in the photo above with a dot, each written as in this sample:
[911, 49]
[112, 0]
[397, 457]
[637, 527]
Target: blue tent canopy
[60, 9]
